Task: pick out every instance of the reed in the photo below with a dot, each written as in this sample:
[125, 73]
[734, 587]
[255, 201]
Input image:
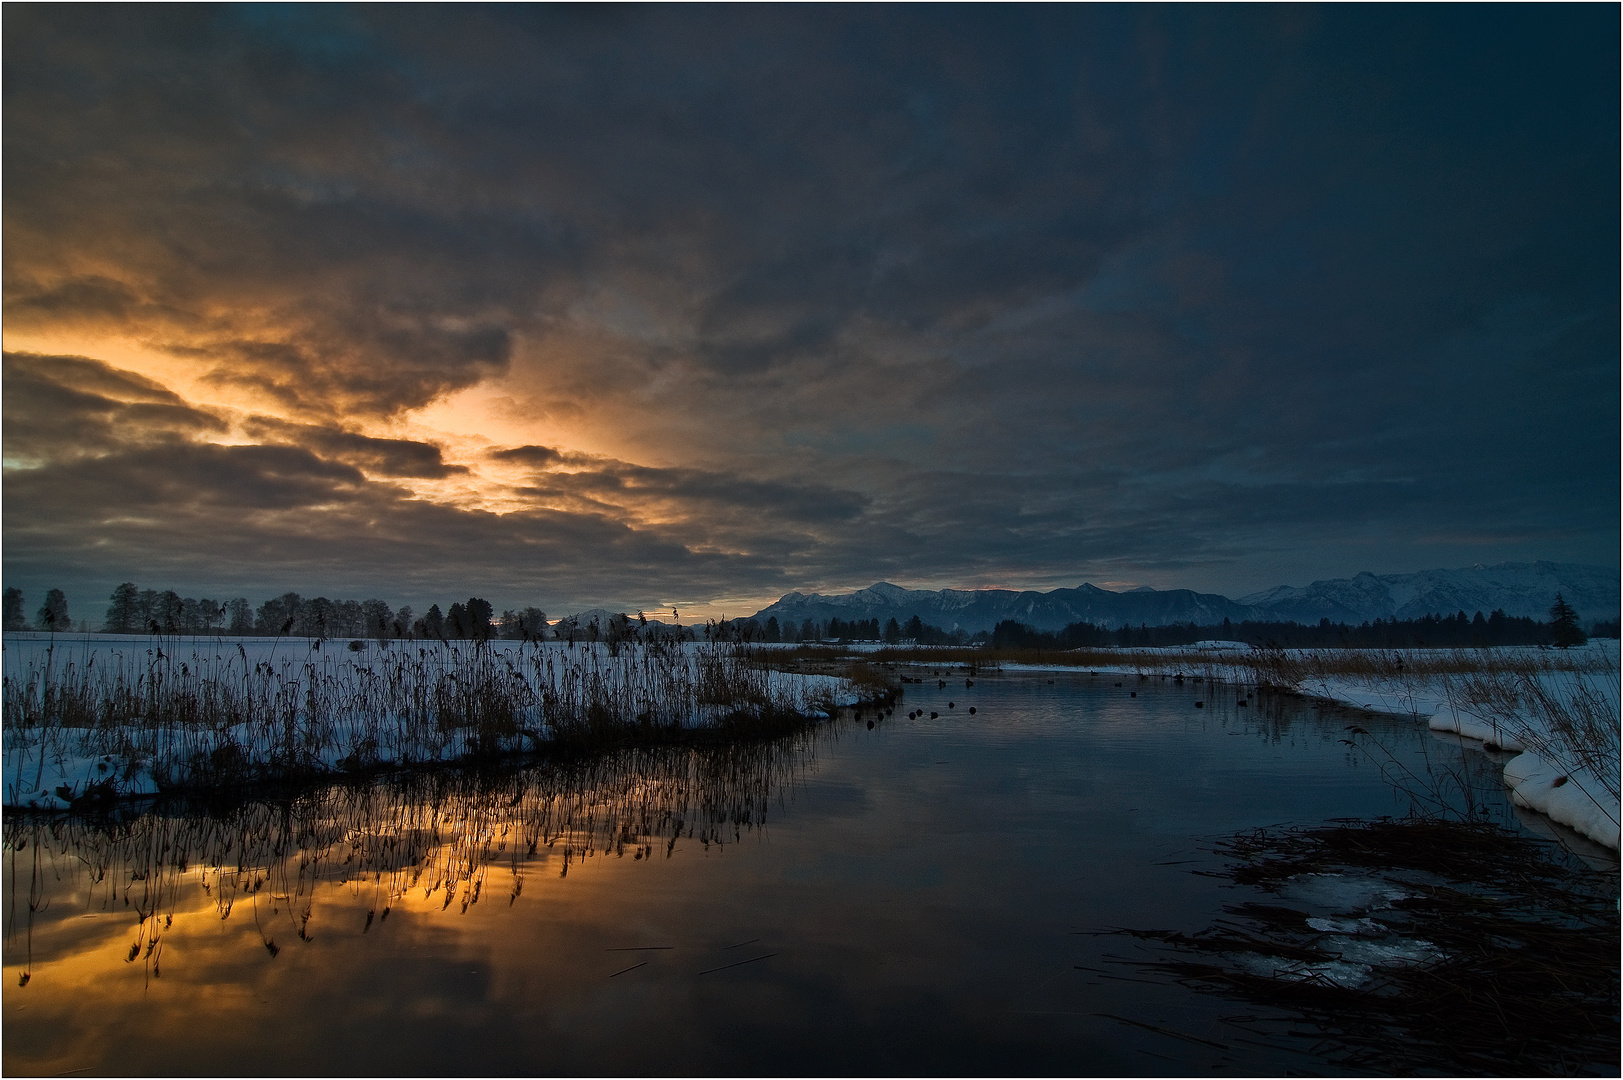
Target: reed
[197, 717]
[1567, 715]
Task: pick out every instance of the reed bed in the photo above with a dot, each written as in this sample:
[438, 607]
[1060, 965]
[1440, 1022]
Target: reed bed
[442, 836]
[1568, 716]
[179, 716]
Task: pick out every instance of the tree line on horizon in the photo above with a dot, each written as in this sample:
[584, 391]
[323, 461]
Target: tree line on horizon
[812, 631]
[1434, 631]
[133, 610]
[1429, 631]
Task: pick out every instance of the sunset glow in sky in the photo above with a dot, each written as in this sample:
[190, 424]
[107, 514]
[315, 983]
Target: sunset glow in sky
[694, 306]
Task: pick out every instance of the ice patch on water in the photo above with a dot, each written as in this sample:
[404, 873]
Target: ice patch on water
[1341, 893]
[1357, 960]
[1336, 972]
[1359, 945]
[1393, 951]
[1347, 926]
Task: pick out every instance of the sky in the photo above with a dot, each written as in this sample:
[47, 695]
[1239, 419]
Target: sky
[694, 306]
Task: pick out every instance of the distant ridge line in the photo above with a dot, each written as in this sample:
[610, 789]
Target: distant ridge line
[1518, 589]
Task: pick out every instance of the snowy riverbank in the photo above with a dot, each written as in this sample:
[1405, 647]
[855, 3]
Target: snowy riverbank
[115, 716]
[1572, 780]
[1524, 700]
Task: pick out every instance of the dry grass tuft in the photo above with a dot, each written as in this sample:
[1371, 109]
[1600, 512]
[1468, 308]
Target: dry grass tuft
[1567, 715]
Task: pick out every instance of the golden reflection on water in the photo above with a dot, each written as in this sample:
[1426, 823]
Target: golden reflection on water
[223, 911]
[920, 911]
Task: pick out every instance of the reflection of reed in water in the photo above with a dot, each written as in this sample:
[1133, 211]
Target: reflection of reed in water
[442, 832]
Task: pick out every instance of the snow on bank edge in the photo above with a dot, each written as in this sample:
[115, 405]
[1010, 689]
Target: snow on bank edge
[1577, 798]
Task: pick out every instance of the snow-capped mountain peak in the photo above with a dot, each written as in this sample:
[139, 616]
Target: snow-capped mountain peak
[1523, 589]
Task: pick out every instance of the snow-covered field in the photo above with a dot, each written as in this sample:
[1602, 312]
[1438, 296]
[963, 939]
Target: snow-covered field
[117, 715]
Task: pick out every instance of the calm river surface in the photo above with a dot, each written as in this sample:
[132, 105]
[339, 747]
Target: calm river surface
[911, 898]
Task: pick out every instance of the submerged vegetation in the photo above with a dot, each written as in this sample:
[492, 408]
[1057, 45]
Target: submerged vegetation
[179, 715]
[1411, 946]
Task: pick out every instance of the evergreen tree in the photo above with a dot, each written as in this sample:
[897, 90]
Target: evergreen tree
[1564, 628]
[456, 622]
[478, 615]
[434, 623]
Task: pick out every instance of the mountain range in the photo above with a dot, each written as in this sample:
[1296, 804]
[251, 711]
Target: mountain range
[1525, 589]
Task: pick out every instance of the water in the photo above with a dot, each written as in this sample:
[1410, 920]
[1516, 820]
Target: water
[918, 897]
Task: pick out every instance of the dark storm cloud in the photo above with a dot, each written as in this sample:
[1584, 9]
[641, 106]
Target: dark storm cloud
[138, 477]
[376, 370]
[185, 482]
[539, 457]
[77, 300]
[93, 380]
[1213, 297]
[63, 407]
[600, 482]
[384, 457]
[309, 524]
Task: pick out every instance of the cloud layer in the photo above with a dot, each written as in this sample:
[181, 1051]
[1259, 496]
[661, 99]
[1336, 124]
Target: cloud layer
[692, 305]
